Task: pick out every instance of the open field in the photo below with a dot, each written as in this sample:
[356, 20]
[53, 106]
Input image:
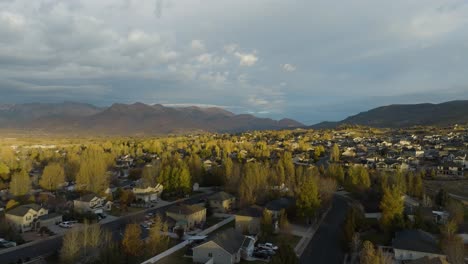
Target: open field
[457, 187]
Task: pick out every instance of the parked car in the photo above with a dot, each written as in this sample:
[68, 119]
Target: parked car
[101, 216]
[269, 246]
[267, 252]
[6, 244]
[66, 225]
[260, 255]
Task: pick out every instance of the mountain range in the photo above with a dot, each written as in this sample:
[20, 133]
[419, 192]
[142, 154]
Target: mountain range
[129, 119]
[407, 115]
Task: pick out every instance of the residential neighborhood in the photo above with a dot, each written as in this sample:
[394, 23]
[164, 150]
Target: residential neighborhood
[209, 215]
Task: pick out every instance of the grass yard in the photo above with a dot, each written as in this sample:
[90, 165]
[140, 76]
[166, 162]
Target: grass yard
[458, 187]
[176, 257]
[117, 212]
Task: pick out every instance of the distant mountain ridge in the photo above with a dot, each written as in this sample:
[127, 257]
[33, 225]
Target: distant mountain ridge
[129, 119]
[407, 115]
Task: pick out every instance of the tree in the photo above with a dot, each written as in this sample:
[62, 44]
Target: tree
[71, 246]
[392, 205]
[150, 174]
[11, 204]
[335, 171]
[368, 254]
[52, 177]
[452, 244]
[132, 244]
[418, 189]
[285, 255]
[308, 199]
[358, 178]
[92, 173]
[441, 198]
[4, 171]
[456, 211]
[20, 183]
[335, 153]
[266, 223]
[126, 198]
[157, 240]
[283, 221]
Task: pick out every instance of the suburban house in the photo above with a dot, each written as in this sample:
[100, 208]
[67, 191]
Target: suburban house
[221, 202]
[248, 219]
[26, 217]
[275, 206]
[226, 247]
[415, 244]
[91, 203]
[187, 216]
[148, 194]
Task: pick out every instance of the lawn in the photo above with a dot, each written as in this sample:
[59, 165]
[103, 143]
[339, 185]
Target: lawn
[176, 257]
[457, 187]
[117, 212]
[282, 238]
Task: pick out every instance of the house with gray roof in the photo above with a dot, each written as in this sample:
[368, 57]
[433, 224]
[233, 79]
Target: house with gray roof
[248, 219]
[226, 247]
[415, 244]
[25, 217]
[221, 202]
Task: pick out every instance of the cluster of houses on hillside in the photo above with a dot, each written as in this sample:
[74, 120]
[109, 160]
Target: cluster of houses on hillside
[446, 155]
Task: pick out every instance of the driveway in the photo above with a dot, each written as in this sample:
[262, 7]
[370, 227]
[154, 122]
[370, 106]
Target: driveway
[325, 246]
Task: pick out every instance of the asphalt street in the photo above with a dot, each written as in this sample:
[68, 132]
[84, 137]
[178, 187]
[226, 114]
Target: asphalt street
[325, 246]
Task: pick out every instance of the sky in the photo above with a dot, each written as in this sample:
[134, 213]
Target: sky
[304, 59]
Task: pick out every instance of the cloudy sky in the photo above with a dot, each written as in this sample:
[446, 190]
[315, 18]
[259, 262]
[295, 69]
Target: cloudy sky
[306, 59]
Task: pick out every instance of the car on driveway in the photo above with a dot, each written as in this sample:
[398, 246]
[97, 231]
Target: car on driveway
[66, 225]
[268, 246]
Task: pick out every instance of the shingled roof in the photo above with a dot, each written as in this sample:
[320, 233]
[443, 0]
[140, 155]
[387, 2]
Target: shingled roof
[252, 211]
[185, 209]
[23, 209]
[221, 196]
[416, 240]
[230, 240]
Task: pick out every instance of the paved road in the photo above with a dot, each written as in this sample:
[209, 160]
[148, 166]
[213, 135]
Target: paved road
[54, 244]
[325, 246]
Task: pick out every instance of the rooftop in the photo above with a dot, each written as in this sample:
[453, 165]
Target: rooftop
[416, 240]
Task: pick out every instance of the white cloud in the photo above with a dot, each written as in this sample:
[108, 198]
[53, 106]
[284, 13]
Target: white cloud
[208, 59]
[215, 77]
[197, 45]
[288, 67]
[231, 48]
[246, 59]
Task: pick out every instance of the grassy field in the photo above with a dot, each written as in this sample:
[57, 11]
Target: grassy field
[458, 187]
